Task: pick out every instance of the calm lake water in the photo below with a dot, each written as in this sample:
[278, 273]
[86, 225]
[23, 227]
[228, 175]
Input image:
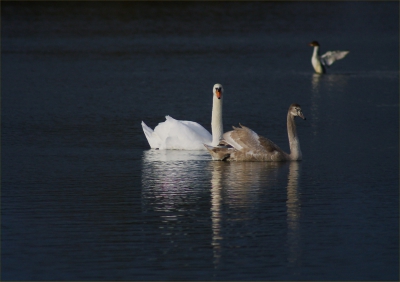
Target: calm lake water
[84, 198]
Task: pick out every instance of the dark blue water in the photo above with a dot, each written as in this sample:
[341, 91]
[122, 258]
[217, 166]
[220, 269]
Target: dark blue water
[84, 198]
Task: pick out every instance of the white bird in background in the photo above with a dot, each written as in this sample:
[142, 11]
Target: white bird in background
[246, 145]
[321, 62]
[188, 135]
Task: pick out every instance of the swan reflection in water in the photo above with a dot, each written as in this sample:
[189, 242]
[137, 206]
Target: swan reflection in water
[176, 185]
[171, 178]
[293, 209]
[239, 185]
[332, 81]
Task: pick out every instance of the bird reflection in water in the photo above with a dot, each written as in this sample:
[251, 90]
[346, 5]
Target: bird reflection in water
[170, 178]
[216, 196]
[332, 82]
[237, 186]
[315, 78]
[174, 182]
[293, 209]
[315, 101]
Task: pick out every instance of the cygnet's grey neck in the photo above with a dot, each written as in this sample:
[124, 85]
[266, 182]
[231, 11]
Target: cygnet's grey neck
[294, 144]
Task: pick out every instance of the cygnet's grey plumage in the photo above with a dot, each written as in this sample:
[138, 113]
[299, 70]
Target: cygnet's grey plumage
[243, 144]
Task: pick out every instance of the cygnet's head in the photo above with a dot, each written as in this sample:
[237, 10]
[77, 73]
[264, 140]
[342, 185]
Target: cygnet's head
[218, 90]
[295, 110]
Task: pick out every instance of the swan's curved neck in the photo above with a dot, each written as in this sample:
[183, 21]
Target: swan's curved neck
[216, 121]
[294, 144]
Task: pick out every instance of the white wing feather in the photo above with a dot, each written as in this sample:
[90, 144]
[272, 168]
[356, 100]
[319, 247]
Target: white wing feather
[152, 137]
[177, 135]
[330, 57]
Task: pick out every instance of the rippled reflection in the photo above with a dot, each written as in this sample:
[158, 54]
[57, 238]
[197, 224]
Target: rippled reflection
[236, 185]
[315, 78]
[170, 179]
[216, 197]
[315, 100]
[175, 182]
[151, 156]
[293, 206]
[328, 82]
[244, 181]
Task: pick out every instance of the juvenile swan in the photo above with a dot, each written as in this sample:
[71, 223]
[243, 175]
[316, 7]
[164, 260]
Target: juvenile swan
[246, 145]
[188, 135]
[321, 62]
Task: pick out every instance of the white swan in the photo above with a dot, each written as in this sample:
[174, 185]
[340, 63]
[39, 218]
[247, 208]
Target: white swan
[188, 135]
[321, 62]
[246, 145]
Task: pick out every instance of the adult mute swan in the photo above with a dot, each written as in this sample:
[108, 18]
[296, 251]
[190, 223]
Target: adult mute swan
[321, 62]
[188, 135]
[246, 145]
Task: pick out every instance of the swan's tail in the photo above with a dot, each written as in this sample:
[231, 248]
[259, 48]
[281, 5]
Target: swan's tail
[150, 136]
[219, 153]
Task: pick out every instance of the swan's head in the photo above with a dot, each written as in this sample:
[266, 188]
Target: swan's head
[295, 110]
[218, 90]
[314, 43]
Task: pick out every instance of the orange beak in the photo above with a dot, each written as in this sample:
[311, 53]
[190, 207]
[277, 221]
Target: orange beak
[218, 93]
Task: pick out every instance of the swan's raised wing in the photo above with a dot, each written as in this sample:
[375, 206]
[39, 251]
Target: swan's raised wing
[197, 129]
[244, 139]
[330, 57]
[152, 137]
[181, 135]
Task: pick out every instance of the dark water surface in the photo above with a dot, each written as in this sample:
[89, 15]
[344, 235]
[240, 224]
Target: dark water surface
[83, 197]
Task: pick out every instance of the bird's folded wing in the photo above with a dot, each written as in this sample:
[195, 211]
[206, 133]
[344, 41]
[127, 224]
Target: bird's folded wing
[245, 138]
